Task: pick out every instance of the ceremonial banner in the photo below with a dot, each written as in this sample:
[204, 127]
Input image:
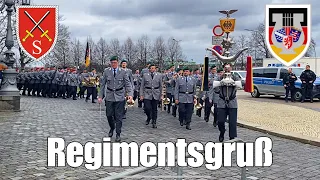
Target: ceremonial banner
[205, 75]
[288, 31]
[37, 29]
[87, 57]
[249, 77]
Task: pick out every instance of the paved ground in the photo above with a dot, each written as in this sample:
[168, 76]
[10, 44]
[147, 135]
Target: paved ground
[268, 98]
[23, 147]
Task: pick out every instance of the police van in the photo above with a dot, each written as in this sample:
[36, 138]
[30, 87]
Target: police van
[269, 81]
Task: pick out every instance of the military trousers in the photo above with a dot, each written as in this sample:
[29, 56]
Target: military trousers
[62, 91]
[170, 96]
[73, 92]
[30, 88]
[82, 90]
[174, 108]
[25, 87]
[91, 91]
[207, 108]
[307, 91]
[136, 95]
[151, 110]
[42, 87]
[222, 118]
[215, 113]
[114, 112]
[37, 89]
[53, 90]
[47, 89]
[185, 112]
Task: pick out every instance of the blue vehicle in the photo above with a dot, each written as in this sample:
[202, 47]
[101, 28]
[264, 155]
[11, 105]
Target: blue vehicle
[269, 81]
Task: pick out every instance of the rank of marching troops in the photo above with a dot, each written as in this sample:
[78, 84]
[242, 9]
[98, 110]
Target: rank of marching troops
[120, 86]
[58, 82]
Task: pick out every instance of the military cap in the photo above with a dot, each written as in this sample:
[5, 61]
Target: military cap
[196, 69]
[186, 69]
[219, 70]
[178, 69]
[124, 60]
[171, 65]
[213, 66]
[151, 65]
[114, 58]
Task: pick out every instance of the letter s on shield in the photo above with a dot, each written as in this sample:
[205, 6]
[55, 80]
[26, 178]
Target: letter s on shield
[37, 29]
[288, 31]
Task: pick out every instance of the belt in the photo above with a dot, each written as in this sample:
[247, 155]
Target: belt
[230, 98]
[115, 89]
[186, 92]
[152, 87]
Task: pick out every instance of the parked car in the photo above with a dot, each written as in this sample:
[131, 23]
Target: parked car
[269, 81]
[242, 75]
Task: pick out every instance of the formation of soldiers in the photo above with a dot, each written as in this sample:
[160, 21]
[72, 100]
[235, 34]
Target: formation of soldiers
[58, 82]
[119, 86]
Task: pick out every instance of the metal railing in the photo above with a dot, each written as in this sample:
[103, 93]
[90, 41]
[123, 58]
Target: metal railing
[135, 171]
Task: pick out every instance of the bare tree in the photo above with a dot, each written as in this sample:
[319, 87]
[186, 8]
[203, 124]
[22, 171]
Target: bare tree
[242, 42]
[260, 43]
[129, 51]
[143, 50]
[102, 51]
[61, 53]
[174, 50]
[159, 51]
[77, 51]
[311, 49]
[115, 47]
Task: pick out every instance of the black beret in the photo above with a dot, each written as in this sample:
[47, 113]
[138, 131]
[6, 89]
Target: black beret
[151, 65]
[186, 69]
[114, 58]
[220, 70]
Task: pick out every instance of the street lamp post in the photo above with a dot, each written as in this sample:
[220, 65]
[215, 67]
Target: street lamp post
[9, 93]
[176, 42]
[255, 44]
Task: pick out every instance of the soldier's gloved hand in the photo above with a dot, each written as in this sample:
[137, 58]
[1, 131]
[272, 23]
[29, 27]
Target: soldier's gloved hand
[99, 100]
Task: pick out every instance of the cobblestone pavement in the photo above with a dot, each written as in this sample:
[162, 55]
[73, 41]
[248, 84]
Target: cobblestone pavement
[23, 147]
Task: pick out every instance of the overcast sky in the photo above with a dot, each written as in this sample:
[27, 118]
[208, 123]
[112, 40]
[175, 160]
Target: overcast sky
[190, 21]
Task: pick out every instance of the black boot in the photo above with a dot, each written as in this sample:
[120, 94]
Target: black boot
[181, 123]
[147, 121]
[188, 127]
[154, 124]
[111, 133]
[118, 138]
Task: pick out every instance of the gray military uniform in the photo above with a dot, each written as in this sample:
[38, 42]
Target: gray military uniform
[185, 90]
[113, 88]
[136, 82]
[143, 71]
[151, 88]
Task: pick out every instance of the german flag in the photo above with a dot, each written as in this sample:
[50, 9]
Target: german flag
[87, 58]
[249, 78]
[205, 75]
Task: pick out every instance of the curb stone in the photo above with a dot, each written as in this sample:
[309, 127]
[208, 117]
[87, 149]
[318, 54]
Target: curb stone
[287, 135]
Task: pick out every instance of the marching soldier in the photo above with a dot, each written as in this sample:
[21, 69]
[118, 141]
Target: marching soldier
[55, 75]
[185, 90]
[31, 79]
[114, 86]
[214, 96]
[37, 75]
[49, 74]
[25, 80]
[227, 104]
[83, 85]
[62, 83]
[207, 104]
[137, 83]
[198, 78]
[123, 65]
[150, 93]
[173, 84]
[91, 86]
[73, 82]
[20, 80]
[169, 89]
[67, 85]
[43, 82]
